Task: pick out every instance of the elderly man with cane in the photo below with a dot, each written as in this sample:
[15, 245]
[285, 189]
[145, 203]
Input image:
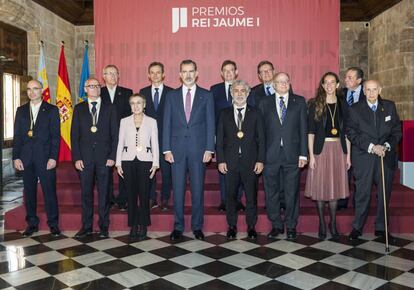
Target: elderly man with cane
[374, 130]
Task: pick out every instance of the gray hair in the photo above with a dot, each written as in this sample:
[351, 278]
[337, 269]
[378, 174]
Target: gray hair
[240, 83]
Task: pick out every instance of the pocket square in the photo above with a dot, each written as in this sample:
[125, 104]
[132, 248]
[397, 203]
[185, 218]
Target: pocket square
[388, 118]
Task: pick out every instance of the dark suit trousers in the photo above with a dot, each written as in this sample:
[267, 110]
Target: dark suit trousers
[166, 181]
[271, 178]
[101, 174]
[122, 194]
[196, 172]
[222, 181]
[234, 178]
[32, 172]
[365, 176]
[137, 181]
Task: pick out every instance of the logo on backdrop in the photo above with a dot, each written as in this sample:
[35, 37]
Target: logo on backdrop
[212, 17]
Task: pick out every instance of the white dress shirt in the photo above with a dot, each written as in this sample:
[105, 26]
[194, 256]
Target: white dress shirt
[111, 93]
[192, 92]
[35, 110]
[160, 88]
[98, 107]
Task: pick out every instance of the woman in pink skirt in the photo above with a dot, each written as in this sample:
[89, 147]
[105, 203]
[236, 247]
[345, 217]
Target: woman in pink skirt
[329, 158]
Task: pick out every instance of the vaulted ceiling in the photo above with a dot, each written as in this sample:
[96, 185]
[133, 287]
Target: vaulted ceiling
[80, 12]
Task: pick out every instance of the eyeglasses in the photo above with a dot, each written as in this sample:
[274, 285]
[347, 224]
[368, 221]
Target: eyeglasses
[91, 87]
[33, 89]
[112, 74]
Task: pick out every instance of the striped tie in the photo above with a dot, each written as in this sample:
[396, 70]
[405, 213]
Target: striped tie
[350, 100]
[282, 110]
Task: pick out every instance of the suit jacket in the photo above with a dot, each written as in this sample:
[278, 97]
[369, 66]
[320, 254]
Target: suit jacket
[99, 146]
[121, 100]
[252, 145]
[150, 110]
[294, 130]
[148, 136]
[318, 128]
[258, 93]
[220, 98]
[197, 136]
[363, 130]
[44, 144]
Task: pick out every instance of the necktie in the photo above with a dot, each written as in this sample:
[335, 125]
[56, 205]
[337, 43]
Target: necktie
[268, 92]
[350, 100]
[239, 117]
[156, 99]
[374, 108]
[94, 107]
[187, 106]
[282, 110]
[229, 97]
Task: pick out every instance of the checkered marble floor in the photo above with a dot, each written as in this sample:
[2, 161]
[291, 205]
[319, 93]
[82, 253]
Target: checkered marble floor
[43, 262]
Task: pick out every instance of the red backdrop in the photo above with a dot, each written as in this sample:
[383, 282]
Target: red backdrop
[300, 37]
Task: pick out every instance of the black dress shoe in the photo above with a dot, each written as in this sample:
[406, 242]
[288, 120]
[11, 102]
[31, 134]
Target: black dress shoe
[274, 233]
[354, 235]
[133, 234]
[55, 231]
[103, 234]
[252, 234]
[176, 235]
[154, 204]
[240, 206]
[198, 235]
[83, 232]
[322, 232]
[222, 207]
[30, 230]
[164, 205]
[142, 233]
[291, 234]
[231, 233]
[122, 206]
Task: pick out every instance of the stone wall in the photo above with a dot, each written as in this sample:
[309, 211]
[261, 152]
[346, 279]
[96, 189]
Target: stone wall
[353, 46]
[391, 55]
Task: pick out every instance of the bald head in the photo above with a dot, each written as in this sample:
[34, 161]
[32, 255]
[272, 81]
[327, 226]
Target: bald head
[372, 89]
[281, 83]
[34, 91]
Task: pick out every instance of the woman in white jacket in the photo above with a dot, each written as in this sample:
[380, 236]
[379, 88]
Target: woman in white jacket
[137, 159]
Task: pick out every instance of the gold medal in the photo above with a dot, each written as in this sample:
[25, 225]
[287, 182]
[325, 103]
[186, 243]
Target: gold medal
[30, 133]
[240, 134]
[139, 148]
[94, 129]
[334, 131]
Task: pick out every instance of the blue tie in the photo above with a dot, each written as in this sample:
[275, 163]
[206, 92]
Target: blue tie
[156, 99]
[350, 100]
[268, 92]
[229, 97]
[374, 108]
[282, 110]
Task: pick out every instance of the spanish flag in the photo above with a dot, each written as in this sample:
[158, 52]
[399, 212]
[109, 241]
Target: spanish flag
[64, 103]
[42, 76]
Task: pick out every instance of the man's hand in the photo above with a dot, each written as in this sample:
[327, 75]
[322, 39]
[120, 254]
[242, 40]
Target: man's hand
[302, 163]
[312, 162]
[51, 163]
[222, 167]
[120, 171]
[379, 150]
[110, 163]
[207, 157]
[18, 164]
[258, 167]
[169, 157]
[79, 165]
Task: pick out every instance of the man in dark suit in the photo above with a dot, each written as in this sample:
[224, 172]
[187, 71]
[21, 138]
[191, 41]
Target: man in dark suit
[94, 139]
[240, 155]
[155, 95]
[285, 119]
[188, 144]
[374, 130]
[353, 93]
[265, 72]
[112, 93]
[35, 152]
[222, 100]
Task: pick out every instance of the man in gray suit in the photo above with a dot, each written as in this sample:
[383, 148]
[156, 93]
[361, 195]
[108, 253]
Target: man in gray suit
[285, 119]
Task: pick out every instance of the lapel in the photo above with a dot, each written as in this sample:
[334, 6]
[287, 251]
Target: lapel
[368, 116]
[273, 110]
[117, 94]
[150, 102]
[180, 104]
[102, 112]
[223, 94]
[381, 114]
[196, 103]
[41, 115]
[26, 114]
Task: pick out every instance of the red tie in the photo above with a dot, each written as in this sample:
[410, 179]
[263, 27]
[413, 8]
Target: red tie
[187, 106]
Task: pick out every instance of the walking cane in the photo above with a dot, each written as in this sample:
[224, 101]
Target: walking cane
[387, 248]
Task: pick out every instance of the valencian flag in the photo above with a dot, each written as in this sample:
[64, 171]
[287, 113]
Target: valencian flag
[84, 75]
[64, 103]
[42, 75]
